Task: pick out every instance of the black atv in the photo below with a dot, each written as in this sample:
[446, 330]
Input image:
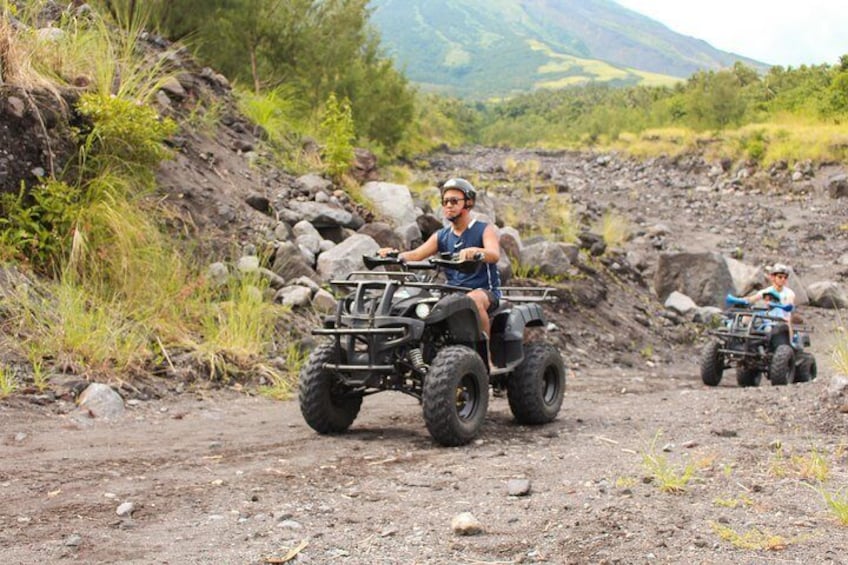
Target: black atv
[402, 330]
[756, 344]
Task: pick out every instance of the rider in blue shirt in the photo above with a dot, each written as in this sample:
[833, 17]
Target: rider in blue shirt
[467, 238]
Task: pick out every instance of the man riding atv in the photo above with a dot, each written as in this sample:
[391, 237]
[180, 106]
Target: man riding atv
[465, 238]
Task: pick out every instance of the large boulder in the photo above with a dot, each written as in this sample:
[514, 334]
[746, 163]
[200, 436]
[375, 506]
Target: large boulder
[510, 241]
[546, 256]
[392, 201]
[704, 277]
[383, 234]
[827, 294]
[323, 215]
[289, 262]
[746, 278]
[345, 257]
[428, 224]
[837, 186]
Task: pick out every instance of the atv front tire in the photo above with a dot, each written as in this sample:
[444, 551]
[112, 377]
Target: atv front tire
[712, 364]
[535, 389]
[455, 395]
[782, 368]
[746, 376]
[327, 405]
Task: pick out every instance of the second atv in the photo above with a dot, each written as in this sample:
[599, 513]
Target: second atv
[756, 344]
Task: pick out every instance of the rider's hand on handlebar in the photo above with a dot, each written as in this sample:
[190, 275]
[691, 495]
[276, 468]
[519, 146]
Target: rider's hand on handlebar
[388, 252]
[471, 254]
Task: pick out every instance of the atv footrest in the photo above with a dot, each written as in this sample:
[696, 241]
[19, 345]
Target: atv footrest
[359, 331]
[366, 368]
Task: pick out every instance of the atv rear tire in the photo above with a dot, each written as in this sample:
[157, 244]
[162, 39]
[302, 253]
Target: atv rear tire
[746, 376]
[712, 364]
[782, 368]
[806, 369]
[455, 395]
[536, 388]
[327, 405]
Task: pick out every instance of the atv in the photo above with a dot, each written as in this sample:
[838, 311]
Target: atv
[400, 329]
[756, 344]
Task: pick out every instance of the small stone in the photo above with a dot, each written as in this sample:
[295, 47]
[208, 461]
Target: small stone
[465, 524]
[73, 540]
[20, 436]
[518, 487]
[125, 510]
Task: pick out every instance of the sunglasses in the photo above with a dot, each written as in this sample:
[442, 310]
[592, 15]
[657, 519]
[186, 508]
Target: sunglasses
[452, 201]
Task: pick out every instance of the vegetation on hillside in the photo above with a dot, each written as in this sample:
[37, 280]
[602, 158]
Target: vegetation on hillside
[115, 296]
[123, 296]
[790, 114]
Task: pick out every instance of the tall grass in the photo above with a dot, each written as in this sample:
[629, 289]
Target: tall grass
[614, 228]
[840, 351]
[558, 219]
[237, 328]
[283, 120]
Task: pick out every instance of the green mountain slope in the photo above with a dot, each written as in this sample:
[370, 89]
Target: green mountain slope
[486, 48]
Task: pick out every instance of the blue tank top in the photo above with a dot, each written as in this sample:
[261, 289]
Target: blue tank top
[486, 276]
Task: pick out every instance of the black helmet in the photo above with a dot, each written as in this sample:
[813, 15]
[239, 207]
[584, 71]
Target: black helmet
[462, 185]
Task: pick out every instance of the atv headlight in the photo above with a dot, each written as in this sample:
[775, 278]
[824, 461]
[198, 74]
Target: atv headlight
[422, 310]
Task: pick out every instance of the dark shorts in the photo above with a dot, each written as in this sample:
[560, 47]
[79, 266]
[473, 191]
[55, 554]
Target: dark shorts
[494, 302]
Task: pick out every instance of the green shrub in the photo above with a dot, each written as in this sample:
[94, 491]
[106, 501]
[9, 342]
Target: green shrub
[124, 134]
[337, 129]
[38, 227]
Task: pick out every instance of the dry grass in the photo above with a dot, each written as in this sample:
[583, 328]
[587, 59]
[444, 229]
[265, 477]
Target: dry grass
[840, 351]
[752, 540]
[614, 228]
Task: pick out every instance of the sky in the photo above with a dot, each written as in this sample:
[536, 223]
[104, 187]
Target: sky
[777, 32]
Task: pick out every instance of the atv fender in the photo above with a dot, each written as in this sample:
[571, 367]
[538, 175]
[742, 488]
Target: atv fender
[460, 314]
[508, 332]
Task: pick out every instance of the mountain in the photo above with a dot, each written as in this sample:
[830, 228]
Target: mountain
[490, 48]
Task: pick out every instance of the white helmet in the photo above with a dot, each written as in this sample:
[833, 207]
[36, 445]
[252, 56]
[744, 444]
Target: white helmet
[779, 269]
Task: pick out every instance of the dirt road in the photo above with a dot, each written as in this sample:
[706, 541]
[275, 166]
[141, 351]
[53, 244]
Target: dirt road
[221, 477]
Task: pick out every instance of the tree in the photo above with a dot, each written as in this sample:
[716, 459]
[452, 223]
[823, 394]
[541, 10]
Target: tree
[318, 47]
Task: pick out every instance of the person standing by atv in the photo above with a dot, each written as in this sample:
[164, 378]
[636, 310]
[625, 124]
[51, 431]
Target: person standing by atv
[466, 238]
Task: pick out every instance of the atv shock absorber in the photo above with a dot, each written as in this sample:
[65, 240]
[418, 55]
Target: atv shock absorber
[417, 359]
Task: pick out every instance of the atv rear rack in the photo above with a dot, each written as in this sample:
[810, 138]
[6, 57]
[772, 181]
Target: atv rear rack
[522, 294]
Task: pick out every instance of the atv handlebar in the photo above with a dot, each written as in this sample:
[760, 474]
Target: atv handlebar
[732, 301]
[447, 261]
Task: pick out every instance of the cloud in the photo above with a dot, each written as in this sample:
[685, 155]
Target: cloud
[763, 30]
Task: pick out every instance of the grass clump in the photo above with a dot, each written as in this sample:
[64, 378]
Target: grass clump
[237, 326]
[664, 474]
[8, 381]
[614, 228]
[558, 219]
[836, 501]
[839, 354]
[752, 540]
[281, 384]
